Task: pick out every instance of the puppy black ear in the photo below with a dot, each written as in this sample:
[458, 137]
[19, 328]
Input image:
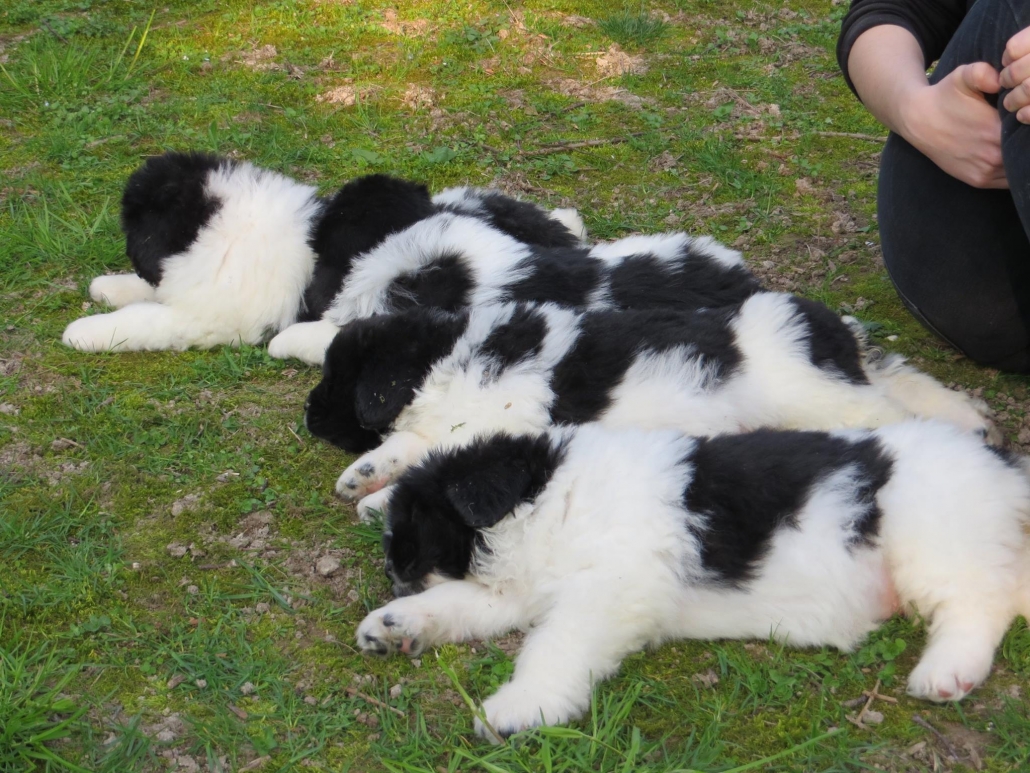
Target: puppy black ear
[401, 350]
[486, 496]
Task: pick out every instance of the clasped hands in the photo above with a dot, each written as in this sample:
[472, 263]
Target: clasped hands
[953, 124]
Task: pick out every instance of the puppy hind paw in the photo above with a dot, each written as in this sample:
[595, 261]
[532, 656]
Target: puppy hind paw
[946, 680]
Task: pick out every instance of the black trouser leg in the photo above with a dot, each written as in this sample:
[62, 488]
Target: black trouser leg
[960, 256]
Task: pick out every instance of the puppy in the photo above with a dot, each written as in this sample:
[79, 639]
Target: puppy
[453, 261]
[601, 542]
[225, 252]
[395, 386]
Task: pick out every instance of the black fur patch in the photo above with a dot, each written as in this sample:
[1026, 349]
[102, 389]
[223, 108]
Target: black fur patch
[566, 277]
[1011, 458]
[519, 338]
[694, 281]
[354, 220]
[831, 344]
[523, 221]
[751, 485]
[609, 342]
[371, 372]
[164, 206]
[444, 283]
[437, 508]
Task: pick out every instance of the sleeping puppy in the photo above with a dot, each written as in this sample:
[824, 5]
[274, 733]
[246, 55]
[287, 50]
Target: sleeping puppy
[453, 261]
[601, 542]
[396, 385]
[225, 252]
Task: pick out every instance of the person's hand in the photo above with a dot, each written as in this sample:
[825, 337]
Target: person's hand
[1016, 75]
[954, 126]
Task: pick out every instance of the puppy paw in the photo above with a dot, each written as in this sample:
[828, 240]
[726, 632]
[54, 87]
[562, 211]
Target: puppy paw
[92, 334]
[120, 290]
[372, 509]
[942, 677]
[305, 341]
[518, 706]
[389, 630]
[360, 479]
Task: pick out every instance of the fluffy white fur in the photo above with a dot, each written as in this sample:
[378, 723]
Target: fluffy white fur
[777, 386]
[600, 565]
[242, 278]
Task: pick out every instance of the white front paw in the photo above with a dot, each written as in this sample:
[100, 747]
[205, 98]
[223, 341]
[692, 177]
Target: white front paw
[305, 341]
[362, 478]
[520, 705]
[392, 629]
[120, 290]
[372, 509]
[92, 334]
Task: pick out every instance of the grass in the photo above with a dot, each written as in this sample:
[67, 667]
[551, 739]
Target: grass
[632, 28]
[161, 514]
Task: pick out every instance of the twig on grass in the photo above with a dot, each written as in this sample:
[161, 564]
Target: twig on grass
[852, 136]
[558, 147]
[356, 693]
[871, 696]
[54, 32]
[952, 752]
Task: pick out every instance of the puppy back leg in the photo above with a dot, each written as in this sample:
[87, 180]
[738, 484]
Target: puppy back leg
[794, 378]
[120, 290]
[924, 396]
[963, 637]
[136, 327]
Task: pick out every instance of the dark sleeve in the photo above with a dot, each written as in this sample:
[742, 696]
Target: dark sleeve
[932, 22]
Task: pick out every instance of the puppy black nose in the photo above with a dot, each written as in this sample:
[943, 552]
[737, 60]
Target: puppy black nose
[389, 568]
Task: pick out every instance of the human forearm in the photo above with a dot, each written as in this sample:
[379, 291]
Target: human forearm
[886, 66]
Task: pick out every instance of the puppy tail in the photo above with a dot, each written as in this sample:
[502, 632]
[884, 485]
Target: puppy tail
[570, 218]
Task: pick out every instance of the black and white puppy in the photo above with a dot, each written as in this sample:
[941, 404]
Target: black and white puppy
[601, 542]
[454, 261]
[225, 252]
[397, 385]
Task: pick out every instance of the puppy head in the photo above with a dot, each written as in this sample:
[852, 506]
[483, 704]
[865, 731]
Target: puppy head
[164, 206]
[363, 213]
[438, 510]
[372, 370]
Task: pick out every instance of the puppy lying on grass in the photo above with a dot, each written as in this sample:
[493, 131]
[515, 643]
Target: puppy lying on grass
[396, 385]
[601, 542]
[225, 252]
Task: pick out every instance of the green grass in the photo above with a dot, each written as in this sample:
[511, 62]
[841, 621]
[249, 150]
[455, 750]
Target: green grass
[632, 28]
[161, 514]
